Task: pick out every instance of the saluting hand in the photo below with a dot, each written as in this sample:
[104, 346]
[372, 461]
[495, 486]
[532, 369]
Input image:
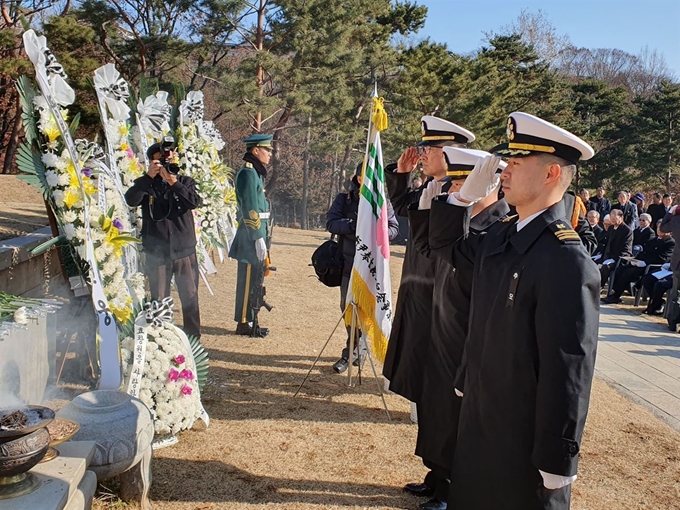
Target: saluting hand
[430, 191]
[482, 180]
[408, 161]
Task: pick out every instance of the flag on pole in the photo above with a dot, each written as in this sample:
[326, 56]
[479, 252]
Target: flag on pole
[370, 287]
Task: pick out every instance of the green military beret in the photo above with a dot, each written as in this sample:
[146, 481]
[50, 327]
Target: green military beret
[258, 140]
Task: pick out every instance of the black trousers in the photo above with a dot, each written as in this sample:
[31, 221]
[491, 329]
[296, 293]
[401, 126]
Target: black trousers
[655, 290]
[605, 271]
[357, 334]
[185, 270]
[439, 479]
[625, 275]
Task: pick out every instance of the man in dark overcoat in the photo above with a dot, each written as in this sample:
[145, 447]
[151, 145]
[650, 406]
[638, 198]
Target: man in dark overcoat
[530, 352]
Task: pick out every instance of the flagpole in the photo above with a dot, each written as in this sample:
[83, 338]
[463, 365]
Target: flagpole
[370, 129]
[349, 284]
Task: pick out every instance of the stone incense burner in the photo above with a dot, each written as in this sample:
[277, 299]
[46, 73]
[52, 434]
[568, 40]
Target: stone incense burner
[23, 443]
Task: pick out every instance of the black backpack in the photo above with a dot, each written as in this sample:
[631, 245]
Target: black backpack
[328, 264]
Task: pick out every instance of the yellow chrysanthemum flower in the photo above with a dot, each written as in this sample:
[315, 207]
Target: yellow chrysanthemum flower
[51, 131]
[71, 197]
[122, 315]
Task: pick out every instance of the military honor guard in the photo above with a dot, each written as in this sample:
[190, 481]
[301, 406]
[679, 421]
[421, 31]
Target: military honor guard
[529, 357]
[250, 245]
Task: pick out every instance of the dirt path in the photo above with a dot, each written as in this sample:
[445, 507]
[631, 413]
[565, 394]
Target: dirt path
[22, 209]
[331, 447]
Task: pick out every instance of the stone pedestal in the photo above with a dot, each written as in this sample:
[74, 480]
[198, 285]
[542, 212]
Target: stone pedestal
[123, 430]
[66, 484]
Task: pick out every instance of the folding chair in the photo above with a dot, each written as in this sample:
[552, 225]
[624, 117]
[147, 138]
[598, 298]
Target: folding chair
[640, 292]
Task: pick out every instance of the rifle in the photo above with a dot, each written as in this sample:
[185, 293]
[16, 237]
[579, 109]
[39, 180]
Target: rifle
[259, 291]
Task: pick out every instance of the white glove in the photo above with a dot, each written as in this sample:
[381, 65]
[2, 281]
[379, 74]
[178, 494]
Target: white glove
[482, 180]
[553, 482]
[432, 189]
[666, 266]
[260, 249]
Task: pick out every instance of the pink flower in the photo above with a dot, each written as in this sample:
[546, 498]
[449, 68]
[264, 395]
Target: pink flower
[179, 359]
[173, 374]
[186, 374]
[186, 390]
[130, 153]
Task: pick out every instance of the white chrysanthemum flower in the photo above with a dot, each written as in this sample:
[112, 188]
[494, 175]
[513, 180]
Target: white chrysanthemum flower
[58, 196]
[81, 233]
[62, 163]
[69, 217]
[52, 178]
[64, 179]
[69, 231]
[50, 160]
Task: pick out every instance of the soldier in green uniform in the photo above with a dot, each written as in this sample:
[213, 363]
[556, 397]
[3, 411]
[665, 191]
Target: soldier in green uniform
[250, 243]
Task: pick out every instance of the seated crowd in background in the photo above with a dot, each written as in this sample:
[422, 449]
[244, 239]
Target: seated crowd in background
[634, 250]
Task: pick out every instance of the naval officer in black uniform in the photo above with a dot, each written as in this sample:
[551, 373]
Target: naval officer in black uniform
[530, 354]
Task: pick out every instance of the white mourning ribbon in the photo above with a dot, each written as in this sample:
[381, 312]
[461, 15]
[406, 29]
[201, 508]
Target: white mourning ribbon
[112, 95]
[112, 91]
[56, 93]
[152, 314]
[192, 107]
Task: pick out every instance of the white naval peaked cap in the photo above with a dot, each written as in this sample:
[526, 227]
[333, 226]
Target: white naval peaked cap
[528, 134]
[461, 161]
[437, 131]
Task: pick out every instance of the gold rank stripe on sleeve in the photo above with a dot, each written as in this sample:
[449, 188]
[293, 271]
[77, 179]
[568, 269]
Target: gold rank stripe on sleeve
[566, 235]
[254, 224]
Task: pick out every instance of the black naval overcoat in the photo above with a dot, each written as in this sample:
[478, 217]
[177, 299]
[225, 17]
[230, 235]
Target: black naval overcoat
[405, 359]
[529, 358]
[439, 407]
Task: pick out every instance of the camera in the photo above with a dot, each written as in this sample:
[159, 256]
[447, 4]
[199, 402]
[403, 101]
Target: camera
[167, 147]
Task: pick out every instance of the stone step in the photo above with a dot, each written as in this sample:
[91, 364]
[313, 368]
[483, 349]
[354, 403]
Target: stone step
[61, 480]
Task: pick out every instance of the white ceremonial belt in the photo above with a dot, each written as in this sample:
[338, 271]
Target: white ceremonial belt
[264, 215]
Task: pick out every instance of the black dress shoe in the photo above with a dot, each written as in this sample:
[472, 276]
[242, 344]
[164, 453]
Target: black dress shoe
[610, 300]
[434, 504]
[245, 329]
[341, 365]
[419, 489]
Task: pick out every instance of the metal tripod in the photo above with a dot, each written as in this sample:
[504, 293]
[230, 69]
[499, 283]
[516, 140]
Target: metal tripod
[354, 325]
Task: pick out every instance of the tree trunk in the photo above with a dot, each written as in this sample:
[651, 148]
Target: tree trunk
[669, 172]
[305, 176]
[13, 142]
[276, 155]
[259, 42]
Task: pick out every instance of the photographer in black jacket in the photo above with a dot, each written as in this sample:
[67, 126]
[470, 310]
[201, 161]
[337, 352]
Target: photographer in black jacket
[168, 231]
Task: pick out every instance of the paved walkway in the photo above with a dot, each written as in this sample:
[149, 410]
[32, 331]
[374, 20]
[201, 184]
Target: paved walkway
[643, 359]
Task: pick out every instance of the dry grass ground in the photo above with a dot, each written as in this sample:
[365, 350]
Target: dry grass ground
[332, 447]
[22, 209]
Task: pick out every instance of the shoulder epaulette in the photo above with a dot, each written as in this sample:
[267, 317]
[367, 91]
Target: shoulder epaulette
[564, 233]
[508, 219]
[248, 164]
